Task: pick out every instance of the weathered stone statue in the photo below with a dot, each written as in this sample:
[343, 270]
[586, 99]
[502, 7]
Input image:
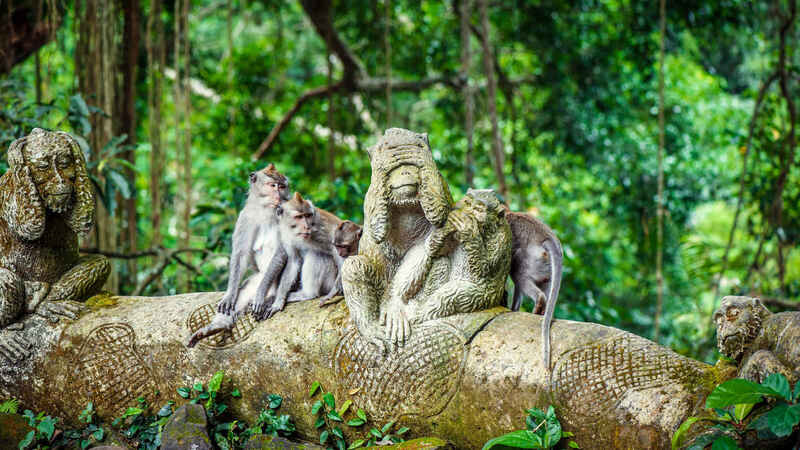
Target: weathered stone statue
[763, 343]
[46, 202]
[418, 261]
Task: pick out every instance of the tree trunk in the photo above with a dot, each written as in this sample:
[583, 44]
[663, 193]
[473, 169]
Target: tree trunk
[26, 27]
[156, 55]
[465, 12]
[491, 101]
[660, 198]
[465, 378]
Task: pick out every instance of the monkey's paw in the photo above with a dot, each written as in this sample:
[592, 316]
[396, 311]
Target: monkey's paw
[268, 310]
[226, 305]
[53, 311]
[15, 348]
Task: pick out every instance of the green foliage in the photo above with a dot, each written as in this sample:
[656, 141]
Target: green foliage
[733, 403]
[139, 424]
[329, 423]
[41, 436]
[9, 406]
[543, 431]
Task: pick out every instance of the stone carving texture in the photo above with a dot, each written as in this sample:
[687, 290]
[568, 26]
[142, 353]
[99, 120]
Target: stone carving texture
[597, 376]
[46, 203]
[418, 379]
[203, 316]
[763, 343]
[420, 258]
[110, 372]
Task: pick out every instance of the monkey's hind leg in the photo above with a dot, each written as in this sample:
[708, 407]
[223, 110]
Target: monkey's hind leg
[82, 281]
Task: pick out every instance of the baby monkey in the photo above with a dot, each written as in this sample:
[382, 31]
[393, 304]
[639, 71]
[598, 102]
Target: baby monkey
[255, 239]
[346, 237]
[537, 262]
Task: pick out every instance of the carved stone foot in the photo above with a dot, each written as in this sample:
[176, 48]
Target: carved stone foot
[53, 311]
[15, 348]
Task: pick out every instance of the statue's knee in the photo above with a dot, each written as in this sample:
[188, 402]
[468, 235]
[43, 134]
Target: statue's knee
[98, 265]
[12, 297]
[355, 269]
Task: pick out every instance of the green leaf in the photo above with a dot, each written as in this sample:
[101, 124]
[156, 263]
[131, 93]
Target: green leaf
[782, 418]
[184, 392]
[516, 439]
[329, 400]
[25, 443]
[724, 443]
[356, 444]
[320, 422]
[344, 407]
[317, 405]
[573, 444]
[165, 410]
[338, 432]
[736, 391]
[357, 422]
[121, 182]
[741, 410]
[402, 431]
[11, 406]
[387, 427]
[132, 412]
[198, 387]
[375, 432]
[323, 438]
[778, 383]
[363, 416]
[236, 393]
[340, 444]
[98, 435]
[333, 415]
[677, 438]
[275, 401]
[215, 382]
[47, 426]
[314, 388]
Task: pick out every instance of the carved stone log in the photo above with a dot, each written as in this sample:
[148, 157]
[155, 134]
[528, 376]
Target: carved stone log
[465, 378]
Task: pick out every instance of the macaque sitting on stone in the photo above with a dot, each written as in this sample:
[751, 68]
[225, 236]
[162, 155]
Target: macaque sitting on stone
[345, 239]
[255, 243]
[307, 254]
[761, 342]
[46, 203]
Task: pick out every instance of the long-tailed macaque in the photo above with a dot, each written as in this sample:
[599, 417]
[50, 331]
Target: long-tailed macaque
[536, 266]
[345, 239]
[255, 242]
[307, 254]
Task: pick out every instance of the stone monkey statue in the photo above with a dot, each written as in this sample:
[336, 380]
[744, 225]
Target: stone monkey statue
[255, 243]
[537, 263]
[761, 342]
[307, 254]
[407, 199]
[46, 204]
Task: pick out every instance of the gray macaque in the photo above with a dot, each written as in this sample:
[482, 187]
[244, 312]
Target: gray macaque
[255, 242]
[536, 267]
[345, 239]
[306, 252]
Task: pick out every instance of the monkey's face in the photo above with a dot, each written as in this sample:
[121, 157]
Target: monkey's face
[404, 183]
[272, 190]
[738, 322]
[346, 238]
[299, 218]
[53, 169]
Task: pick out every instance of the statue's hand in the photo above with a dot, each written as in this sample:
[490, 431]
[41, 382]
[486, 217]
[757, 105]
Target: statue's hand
[465, 227]
[15, 347]
[53, 311]
[397, 327]
[35, 293]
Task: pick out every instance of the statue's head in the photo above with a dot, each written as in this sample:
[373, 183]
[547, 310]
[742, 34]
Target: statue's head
[483, 202]
[270, 185]
[49, 174]
[404, 175]
[739, 321]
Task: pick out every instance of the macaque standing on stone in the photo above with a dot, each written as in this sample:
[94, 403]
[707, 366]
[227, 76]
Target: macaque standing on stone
[537, 262]
[255, 243]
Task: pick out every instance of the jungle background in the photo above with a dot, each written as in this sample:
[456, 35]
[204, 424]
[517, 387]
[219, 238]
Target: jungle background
[664, 158]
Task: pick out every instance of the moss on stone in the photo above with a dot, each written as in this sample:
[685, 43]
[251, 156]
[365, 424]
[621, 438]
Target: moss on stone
[101, 300]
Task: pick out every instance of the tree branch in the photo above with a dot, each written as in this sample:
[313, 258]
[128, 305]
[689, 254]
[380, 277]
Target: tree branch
[783, 303]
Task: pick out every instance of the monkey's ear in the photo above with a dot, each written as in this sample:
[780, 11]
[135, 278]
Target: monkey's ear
[341, 226]
[270, 168]
[23, 209]
[297, 197]
[81, 217]
[759, 308]
[253, 177]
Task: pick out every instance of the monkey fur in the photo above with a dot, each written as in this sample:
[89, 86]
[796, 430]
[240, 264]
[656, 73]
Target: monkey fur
[255, 243]
[536, 267]
[345, 239]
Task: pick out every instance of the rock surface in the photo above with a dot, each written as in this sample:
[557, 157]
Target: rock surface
[262, 441]
[465, 378]
[186, 429]
[13, 428]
